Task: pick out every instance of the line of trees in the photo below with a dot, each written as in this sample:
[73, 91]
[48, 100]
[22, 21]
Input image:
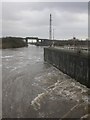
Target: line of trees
[13, 42]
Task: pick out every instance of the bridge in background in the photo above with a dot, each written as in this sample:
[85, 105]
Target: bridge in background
[38, 41]
[48, 42]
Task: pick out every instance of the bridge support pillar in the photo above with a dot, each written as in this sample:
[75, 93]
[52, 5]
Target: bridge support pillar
[26, 40]
[37, 40]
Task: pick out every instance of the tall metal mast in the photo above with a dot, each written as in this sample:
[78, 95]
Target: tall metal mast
[53, 33]
[50, 29]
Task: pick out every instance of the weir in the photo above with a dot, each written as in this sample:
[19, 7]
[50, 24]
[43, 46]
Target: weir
[70, 62]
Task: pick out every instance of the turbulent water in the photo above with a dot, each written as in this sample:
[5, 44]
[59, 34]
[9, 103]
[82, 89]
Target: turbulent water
[33, 88]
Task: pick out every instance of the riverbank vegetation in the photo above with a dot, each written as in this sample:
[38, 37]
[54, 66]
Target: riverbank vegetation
[12, 42]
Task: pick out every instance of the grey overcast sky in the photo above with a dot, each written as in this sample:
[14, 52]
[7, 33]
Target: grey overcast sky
[32, 19]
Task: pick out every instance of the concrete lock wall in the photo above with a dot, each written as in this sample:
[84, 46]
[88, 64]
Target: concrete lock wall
[70, 62]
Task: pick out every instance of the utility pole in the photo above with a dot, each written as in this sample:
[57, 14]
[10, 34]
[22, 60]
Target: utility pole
[50, 29]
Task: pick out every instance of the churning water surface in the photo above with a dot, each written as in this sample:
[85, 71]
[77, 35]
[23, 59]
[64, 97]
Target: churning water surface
[32, 88]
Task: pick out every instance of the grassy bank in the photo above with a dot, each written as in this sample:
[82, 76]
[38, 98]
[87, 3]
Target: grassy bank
[12, 42]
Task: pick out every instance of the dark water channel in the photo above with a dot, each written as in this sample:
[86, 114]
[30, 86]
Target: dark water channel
[33, 88]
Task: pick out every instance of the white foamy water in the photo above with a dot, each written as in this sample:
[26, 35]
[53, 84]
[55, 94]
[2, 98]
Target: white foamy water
[69, 89]
[62, 87]
[6, 57]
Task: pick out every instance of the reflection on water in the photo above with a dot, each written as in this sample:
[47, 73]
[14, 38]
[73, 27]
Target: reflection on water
[33, 88]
